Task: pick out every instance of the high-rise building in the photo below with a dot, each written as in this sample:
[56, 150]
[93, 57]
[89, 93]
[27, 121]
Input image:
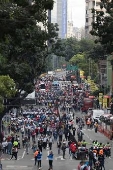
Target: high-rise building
[70, 29]
[90, 4]
[59, 16]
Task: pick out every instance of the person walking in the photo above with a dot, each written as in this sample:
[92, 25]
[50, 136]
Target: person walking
[64, 149]
[50, 142]
[59, 144]
[101, 159]
[27, 145]
[96, 127]
[50, 158]
[14, 152]
[39, 158]
[35, 156]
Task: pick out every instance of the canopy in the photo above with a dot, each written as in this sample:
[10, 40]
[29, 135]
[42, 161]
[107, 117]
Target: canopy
[31, 95]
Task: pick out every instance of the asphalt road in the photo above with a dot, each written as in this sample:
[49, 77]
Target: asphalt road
[26, 162]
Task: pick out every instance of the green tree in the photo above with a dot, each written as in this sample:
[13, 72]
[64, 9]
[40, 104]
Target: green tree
[83, 63]
[66, 48]
[96, 53]
[23, 44]
[103, 25]
[86, 45]
[7, 89]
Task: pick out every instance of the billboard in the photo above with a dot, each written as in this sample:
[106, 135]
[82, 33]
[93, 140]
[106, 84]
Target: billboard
[64, 18]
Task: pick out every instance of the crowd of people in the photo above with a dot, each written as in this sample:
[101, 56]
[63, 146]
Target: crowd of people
[53, 121]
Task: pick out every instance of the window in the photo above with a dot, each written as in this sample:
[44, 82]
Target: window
[86, 19]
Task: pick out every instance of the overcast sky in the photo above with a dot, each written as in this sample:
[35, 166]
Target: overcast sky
[76, 11]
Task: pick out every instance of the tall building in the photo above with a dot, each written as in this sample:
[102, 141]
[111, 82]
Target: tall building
[59, 16]
[70, 29]
[90, 4]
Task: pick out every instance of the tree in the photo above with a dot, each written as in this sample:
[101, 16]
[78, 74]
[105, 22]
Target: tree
[102, 27]
[66, 48]
[96, 53]
[86, 45]
[23, 44]
[82, 62]
[71, 46]
[7, 89]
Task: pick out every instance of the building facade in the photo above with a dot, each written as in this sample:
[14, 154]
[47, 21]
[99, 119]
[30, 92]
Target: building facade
[90, 4]
[70, 29]
[59, 16]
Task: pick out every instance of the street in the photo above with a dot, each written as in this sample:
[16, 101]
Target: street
[26, 162]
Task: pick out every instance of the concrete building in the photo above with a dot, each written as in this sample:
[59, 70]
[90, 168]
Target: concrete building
[90, 4]
[70, 29]
[59, 16]
[77, 33]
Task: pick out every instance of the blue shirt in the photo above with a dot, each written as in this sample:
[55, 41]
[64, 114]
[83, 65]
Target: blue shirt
[50, 156]
[39, 156]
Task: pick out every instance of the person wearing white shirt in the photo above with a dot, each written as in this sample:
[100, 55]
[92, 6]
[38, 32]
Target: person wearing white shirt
[50, 142]
[4, 145]
[45, 142]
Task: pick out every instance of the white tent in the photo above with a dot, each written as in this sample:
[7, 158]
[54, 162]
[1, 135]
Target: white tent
[31, 95]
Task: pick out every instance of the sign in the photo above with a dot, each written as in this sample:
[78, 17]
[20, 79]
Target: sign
[71, 68]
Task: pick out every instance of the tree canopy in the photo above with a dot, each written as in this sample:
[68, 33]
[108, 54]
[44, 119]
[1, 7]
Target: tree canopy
[7, 89]
[103, 25]
[69, 47]
[82, 62]
[23, 42]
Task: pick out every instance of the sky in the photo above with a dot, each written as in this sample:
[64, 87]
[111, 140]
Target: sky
[76, 12]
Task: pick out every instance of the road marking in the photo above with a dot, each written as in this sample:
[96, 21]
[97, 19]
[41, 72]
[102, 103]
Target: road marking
[19, 157]
[63, 159]
[13, 166]
[86, 135]
[59, 157]
[23, 154]
[33, 159]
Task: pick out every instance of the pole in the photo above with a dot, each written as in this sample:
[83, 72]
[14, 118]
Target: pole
[89, 67]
